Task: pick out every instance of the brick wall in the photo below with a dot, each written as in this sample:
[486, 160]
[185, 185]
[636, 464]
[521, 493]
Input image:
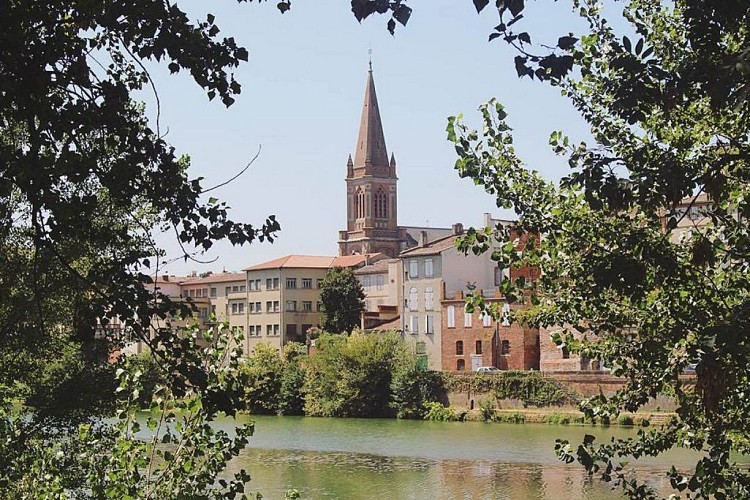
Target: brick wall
[506, 347]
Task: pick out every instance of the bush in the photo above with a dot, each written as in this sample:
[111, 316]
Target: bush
[625, 420]
[510, 418]
[260, 376]
[487, 410]
[291, 399]
[351, 376]
[436, 412]
[412, 388]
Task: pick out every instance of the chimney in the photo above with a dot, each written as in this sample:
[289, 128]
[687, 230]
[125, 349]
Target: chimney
[193, 273]
[422, 238]
[458, 228]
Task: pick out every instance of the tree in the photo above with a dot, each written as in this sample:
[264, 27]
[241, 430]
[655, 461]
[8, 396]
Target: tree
[84, 180]
[669, 111]
[668, 106]
[343, 300]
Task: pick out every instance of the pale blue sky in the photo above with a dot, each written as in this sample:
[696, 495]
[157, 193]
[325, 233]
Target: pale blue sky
[301, 100]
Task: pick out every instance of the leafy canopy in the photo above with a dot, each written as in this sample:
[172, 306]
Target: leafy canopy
[343, 300]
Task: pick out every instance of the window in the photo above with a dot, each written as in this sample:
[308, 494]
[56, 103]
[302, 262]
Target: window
[291, 305]
[238, 307]
[251, 330]
[269, 306]
[429, 324]
[505, 347]
[413, 269]
[366, 282]
[242, 288]
[291, 282]
[428, 269]
[239, 329]
[380, 281]
[319, 282]
[269, 329]
[191, 293]
[227, 290]
[213, 309]
[429, 299]
[414, 324]
[451, 316]
[565, 352]
[205, 292]
[291, 330]
[319, 306]
[235, 288]
[413, 299]
[459, 348]
[359, 203]
[421, 348]
[272, 283]
[251, 307]
[275, 306]
[306, 282]
[467, 319]
[486, 319]
[275, 329]
[307, 305]
[258, 309]
[305, 328]
[460, 365]
[257, 330]
[380, 204]
[506, 315]
[478, 347]
[253, 285]
[213, 292]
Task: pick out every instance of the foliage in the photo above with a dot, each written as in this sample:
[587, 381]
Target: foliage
[351, 376]
[487, 410]
[260, 376]
[510, 418]
[412, 388]
[151, 376]
[436, 412]
[343, 300]
[184, 458]
[291, 397]
[669, 113]
[531, 388]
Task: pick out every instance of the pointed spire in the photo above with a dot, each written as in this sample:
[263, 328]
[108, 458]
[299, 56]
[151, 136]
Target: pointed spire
[350, 167]
[393, 161]
[371, 150]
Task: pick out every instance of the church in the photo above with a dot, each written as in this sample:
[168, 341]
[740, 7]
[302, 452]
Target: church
[372, 193]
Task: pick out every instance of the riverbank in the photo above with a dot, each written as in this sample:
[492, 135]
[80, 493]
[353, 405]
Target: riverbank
[567, 416]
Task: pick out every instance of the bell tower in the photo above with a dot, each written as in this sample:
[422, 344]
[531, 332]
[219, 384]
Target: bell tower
[371, 195]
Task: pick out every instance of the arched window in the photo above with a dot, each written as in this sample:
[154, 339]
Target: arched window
[380, 204]
[460, 365]
[359, 203]
[459, 347]
[478, 347]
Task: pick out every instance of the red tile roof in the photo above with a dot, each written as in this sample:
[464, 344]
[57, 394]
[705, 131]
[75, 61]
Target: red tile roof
[432, 248]
[313, 261]
[214, 278]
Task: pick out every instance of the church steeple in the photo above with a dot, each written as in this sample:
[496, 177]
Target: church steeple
[371, 152]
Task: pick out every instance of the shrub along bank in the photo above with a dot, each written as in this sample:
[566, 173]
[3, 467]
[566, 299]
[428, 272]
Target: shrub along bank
[377, 375]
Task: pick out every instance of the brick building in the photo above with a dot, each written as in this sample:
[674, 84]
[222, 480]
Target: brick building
[471, 340]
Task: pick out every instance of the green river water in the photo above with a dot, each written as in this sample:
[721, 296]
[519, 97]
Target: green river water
[399, 459]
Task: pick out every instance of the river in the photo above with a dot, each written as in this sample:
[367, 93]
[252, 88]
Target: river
[401, 459]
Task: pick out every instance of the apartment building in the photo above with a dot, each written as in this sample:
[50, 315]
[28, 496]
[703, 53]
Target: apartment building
[283, 296]
[428, 271]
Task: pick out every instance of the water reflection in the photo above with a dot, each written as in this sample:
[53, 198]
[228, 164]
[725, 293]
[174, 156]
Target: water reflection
[373, 459]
